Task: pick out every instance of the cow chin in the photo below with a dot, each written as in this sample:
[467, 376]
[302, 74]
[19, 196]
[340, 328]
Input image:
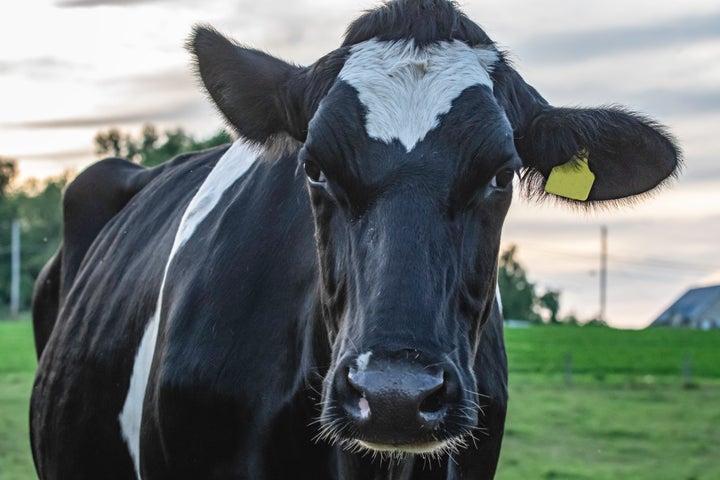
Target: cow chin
[433, 449]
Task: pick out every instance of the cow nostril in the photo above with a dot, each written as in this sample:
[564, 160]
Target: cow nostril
[434, 400]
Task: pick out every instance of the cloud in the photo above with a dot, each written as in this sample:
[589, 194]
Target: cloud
[588, 44]
[179, 80]
[61, 156]
[679, 101]
[38, 66]
[158, 114]
[100, 3]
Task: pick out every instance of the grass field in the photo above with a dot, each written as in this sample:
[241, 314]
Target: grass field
[625, 412]
[17, 367]
[630, 409]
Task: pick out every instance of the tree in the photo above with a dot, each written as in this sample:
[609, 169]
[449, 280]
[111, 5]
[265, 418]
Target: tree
[550, 302]
[520, 299]
[517, 292]
[111, 142]
[37, 204]
[8, 171]
[151, 148]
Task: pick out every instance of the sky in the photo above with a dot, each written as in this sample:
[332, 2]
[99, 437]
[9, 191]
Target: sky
[69, 68]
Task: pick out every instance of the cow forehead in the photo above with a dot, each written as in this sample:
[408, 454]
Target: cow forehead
[405, 88]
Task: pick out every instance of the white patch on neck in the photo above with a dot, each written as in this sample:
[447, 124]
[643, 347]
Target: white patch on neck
[406, 89]
[231, 166]
[131, 415]
[497, 297]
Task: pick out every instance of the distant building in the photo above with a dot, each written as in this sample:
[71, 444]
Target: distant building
[697, 308]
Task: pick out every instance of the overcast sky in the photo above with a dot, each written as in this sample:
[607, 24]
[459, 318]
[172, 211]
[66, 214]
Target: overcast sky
[69, 68]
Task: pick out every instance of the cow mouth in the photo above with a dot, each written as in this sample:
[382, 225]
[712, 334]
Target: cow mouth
[417, 448]
[430, 449]
[432, 446]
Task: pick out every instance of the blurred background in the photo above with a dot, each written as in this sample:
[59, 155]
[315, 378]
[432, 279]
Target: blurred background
[83, 79]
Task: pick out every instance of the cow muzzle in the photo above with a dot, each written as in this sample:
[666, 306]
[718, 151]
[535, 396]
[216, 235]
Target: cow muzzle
[397, 403]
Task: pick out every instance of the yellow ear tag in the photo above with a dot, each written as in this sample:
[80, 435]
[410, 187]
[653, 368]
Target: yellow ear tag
[572, 180]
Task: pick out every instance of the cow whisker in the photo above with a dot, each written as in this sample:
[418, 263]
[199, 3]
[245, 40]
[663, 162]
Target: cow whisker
[472, 392]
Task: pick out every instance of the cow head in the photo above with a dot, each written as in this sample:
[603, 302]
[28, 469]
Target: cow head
[410, 136]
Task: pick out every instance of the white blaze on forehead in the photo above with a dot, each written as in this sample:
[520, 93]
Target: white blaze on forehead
[405, 89]
[231, 166]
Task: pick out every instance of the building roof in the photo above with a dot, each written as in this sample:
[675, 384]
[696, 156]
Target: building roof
[692, 305]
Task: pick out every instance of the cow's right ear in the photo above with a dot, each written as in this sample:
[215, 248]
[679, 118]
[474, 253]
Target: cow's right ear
[258, 94]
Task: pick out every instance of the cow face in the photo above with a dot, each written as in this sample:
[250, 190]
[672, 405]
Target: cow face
[411, 134]
[410, 162]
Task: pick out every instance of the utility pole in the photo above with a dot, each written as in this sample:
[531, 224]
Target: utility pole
[603, 272]
[15, 269]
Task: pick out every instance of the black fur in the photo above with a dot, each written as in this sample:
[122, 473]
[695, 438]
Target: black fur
[424, 21]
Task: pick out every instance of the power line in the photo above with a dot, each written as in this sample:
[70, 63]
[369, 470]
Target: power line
[652, 263]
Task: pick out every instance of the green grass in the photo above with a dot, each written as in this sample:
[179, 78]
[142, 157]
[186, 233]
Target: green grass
[600, 431]
[604, 352]
[17, 368]
[626, 414]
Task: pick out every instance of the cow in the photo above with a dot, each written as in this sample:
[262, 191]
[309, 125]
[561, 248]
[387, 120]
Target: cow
[318, 299]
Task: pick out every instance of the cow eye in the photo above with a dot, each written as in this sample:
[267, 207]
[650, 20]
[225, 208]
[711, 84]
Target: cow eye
[502, 179]
[314, 173]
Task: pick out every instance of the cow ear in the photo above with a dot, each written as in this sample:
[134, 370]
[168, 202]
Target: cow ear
[591, 155]
[253, 90]
[583, 155]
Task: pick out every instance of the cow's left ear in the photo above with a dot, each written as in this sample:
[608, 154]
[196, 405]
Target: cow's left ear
[584, 155]
[256, 92]
[591, 155]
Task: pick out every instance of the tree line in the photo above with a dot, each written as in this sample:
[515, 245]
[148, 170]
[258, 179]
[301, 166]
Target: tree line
[37, 204]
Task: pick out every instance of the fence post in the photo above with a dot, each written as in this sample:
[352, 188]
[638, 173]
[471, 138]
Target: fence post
[15, 269]
[687, 370]
[568, 370]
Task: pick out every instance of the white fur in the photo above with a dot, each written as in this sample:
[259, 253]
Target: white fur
[416, 449]
[363, 360]
[364, 407]
[498, 299]
[405, 89]
[233, 165]
[131, 415]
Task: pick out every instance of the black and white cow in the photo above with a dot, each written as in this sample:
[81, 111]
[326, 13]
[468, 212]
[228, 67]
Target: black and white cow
[316, 300]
